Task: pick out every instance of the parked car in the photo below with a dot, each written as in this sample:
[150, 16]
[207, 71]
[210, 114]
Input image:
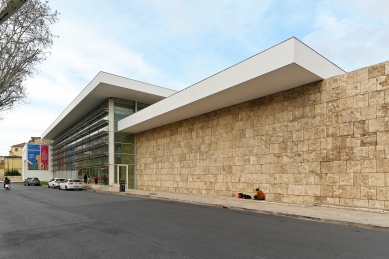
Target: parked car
[54, 183]
[26, 180]
[70, 184]
[32, 181]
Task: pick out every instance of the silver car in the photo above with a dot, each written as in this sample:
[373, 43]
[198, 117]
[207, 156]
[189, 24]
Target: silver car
[32, 181]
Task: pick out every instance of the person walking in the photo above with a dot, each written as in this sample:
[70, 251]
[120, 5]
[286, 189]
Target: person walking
[96, 178]
[85, 178]
[105, 178]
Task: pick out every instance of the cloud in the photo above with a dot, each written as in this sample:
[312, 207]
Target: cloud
[354, 38]
[176, 43]
[77, 56]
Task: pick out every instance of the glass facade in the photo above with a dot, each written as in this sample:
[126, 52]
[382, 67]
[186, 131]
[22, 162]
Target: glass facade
[84, 147]
[124, 145]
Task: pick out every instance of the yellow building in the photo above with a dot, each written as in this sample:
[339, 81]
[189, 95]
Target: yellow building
[1, 166]
[14, 160]
[16, 150]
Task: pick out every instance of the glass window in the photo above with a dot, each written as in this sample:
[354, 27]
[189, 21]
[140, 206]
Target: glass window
[141, 106]
[124, 159]
[123, 137]
[124, 148]
[123, 109]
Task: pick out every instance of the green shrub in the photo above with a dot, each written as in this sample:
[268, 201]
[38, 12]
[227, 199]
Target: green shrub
[12, 172]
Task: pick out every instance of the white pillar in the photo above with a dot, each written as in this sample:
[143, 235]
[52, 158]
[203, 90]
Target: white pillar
[111, 139]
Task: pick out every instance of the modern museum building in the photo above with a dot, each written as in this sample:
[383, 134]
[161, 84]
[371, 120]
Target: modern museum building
[287, 121]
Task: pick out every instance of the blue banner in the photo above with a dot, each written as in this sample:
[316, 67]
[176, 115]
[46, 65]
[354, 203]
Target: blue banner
[34, 156]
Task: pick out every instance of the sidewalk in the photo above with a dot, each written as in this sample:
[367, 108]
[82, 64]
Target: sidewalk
[359, 217]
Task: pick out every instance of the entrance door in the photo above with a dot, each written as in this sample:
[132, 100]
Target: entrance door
[122, 173]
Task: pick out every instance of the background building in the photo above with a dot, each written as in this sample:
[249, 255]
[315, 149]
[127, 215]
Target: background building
[1, 166]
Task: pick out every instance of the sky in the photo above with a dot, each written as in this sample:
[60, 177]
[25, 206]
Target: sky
[176, 43]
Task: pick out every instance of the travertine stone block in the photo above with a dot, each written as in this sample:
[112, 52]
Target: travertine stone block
[346, 79]
[369, 112]
[368, 166]
[377, 125]
[382, 82]
[383, 193]
[346, 129]
[347, 202]
[314, 144]
[377, 179]
[383, 138]
[377, 152]
[361, 179]
[361, 203]
[368, 139]
[353, 166]
[376, 98]
[368, 193]
[334, 201]
[353, 192]
[360, 127]
[346, 103]
[326, 190]
[376, 204]
[333, 82]
[376, 70]
[387, 68]
[361, 101]
[320, 199]
[368, 86]
[339, 191]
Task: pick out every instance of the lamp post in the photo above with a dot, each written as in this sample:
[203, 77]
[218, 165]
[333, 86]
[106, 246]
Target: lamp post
[10, 7]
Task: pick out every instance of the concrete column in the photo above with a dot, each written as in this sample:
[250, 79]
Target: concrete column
[111, 139]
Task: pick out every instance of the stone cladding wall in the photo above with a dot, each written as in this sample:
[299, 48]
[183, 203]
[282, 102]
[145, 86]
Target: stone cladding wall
[326, 142]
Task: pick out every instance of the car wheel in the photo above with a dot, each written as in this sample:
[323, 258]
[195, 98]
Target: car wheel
[59, 187]
[81, 189]
[48, 186]
[66, 188]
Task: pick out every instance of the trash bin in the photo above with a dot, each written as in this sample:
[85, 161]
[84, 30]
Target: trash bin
[122, 187]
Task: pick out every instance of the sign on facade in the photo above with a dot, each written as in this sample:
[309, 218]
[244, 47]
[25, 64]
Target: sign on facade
[38, 157]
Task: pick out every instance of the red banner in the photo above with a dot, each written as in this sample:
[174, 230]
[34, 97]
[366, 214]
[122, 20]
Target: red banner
[44, 158]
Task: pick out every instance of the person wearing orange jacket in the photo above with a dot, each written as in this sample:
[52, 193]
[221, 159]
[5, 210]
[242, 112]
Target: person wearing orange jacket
[260, 195]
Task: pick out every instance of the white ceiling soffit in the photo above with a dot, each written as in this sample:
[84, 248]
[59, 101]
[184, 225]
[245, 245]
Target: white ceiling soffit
[284, 66]
[103, 86]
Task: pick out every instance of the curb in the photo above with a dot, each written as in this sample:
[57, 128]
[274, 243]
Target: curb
[266, 212]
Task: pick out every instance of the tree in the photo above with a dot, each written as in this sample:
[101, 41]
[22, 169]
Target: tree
[25, 42]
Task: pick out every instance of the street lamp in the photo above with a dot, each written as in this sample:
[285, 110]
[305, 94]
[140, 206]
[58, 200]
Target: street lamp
[10, 7]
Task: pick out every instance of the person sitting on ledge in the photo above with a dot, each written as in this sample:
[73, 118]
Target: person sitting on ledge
[260, 195]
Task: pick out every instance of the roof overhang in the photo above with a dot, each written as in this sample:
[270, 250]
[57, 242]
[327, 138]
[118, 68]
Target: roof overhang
[282, 67]
[103, 86]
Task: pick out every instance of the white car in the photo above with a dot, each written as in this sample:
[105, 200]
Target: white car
[70, 184]
[54, 183]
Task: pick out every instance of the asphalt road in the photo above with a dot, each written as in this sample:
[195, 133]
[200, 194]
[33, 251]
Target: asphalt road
[37, 222]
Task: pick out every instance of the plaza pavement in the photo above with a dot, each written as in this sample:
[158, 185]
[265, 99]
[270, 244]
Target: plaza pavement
[359, 217]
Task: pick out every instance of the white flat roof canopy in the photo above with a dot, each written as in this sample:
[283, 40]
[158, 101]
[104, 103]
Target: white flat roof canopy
[103, 86]
[282, 67]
